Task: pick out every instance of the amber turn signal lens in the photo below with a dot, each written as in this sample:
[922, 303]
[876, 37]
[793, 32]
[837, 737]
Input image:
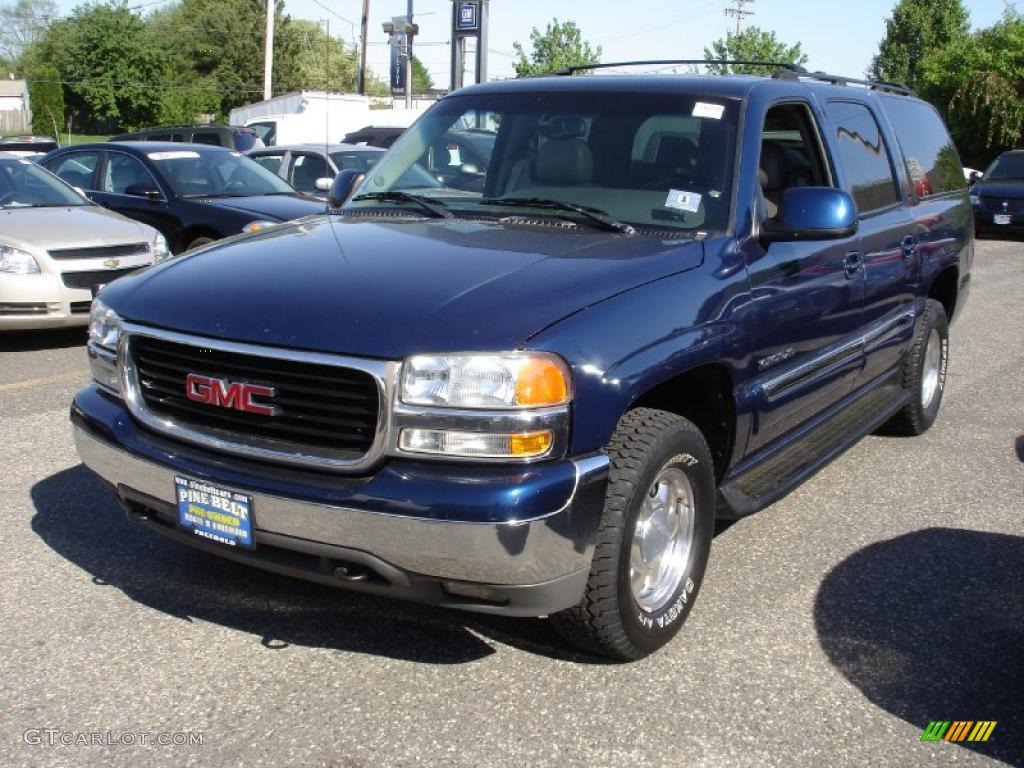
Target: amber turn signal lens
[530, 444]
[541, 382]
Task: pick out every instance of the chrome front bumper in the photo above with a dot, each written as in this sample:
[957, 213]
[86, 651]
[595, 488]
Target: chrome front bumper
[550, 554]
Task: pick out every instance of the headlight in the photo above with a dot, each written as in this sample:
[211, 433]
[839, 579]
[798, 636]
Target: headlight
[104, 325]
[507, 381]
[160, 249]
[104, 335]
[17, 262]
[975, 200]
[256, 226]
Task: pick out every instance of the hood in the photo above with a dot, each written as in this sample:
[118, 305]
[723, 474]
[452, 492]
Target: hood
[69, 227]
[276, 207]
[1011, 190]
[391, 289]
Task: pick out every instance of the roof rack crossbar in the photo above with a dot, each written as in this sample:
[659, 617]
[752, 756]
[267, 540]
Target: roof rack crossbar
[784, 65]
[876, 85]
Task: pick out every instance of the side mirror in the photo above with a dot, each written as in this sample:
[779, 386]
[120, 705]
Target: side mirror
[139, 190]
[323, 185]
[812, 213]
[343, 186]
[974, 177]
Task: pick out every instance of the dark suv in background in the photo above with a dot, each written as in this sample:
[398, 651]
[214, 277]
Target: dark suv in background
[669, 299]
[231, 136]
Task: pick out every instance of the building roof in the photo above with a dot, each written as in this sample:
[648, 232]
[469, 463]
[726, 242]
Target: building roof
[12, 87]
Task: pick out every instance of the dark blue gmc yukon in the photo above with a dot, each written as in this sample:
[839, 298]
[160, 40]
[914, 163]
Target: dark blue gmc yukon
[666, 300]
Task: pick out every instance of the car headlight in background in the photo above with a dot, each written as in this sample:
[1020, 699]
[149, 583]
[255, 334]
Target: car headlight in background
[506, 381]
[484, 406]
[160, 249]
[975, 200]
[256, 226]
[16, 262]
[104, 336]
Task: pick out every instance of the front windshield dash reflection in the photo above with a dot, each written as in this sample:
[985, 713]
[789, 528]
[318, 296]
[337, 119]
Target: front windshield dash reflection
[646, 162]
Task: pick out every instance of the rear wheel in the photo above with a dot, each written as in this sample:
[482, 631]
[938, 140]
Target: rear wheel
[653, 543]
[924, 373]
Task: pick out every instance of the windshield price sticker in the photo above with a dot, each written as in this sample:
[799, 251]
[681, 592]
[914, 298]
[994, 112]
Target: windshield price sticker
[712, 111]
[683, 201]
[178, 155]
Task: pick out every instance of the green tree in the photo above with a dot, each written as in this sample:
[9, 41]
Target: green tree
[560, 46]
[22, 24]
[421, 79]
[46, 97]
[110, 65]
[916, 30]
[310, 60]
[978, 83]
[752, 44]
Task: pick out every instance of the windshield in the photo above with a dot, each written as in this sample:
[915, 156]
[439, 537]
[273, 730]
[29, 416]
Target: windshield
[195, 173]
[1006, 168]
[24, 184]
[652, 161]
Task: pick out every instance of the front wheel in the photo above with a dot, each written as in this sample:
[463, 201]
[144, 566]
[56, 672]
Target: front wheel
[654, 539]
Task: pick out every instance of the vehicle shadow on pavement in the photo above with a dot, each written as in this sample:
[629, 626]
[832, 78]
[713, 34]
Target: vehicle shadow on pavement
[33, 341]
[930, 626]
[77, 517]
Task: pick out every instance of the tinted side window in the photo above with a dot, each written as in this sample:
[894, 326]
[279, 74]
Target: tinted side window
[124, 171]
[933, 164]
[206, 137]
[271, 162]
[75, 169]
[863, 154]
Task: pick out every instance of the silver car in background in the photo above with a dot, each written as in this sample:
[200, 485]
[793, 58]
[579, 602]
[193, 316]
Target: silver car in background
[57, 249]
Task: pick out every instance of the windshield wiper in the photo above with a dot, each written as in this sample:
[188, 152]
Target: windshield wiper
[434, 207]
[594, 215]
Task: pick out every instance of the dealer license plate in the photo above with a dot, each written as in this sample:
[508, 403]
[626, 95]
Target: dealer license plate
[1002, 218]
[214, 513]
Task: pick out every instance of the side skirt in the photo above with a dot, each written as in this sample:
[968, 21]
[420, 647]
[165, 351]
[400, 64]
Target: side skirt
[768, 477]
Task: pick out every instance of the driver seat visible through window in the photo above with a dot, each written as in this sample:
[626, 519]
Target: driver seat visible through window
[791, 155]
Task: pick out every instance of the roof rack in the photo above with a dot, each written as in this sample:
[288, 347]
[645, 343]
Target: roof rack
[781, 65]
[874, 85]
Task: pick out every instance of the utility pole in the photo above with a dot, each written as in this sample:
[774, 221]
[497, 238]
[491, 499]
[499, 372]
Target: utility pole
[740, 12]
[268, 53]
[363, 33]
[408, 58]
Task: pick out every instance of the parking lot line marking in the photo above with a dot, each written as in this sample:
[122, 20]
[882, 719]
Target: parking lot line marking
[25, 383]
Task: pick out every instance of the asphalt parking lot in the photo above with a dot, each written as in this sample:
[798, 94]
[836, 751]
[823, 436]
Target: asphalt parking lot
[885, 593]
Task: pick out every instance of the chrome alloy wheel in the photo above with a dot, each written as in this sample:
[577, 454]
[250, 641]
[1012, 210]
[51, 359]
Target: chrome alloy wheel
[932, 369]
[662, 540]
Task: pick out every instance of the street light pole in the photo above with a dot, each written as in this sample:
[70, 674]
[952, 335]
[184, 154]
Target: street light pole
[268, 53]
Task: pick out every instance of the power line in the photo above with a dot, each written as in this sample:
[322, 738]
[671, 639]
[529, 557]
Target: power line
[740, 12]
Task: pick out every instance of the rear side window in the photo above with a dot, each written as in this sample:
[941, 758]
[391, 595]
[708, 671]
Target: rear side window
[864, 155]
[933, 164]
[206, 137]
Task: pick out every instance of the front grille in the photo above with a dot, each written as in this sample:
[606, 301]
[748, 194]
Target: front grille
[319, 407]
[95, 277]
[102, 252]
[22, 308]
[995, 204]
[80, 307]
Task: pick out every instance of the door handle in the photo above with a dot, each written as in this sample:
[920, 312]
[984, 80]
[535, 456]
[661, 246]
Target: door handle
[909, 246]
[853, 264]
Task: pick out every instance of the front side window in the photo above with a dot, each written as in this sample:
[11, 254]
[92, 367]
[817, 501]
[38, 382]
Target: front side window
[661, 161]
[306, 169]
[25, 185]
[791, 154]
[124, 171]
[76, 169]
[864, 156]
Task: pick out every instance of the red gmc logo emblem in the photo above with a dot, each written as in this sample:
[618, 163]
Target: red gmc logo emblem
[228, 394]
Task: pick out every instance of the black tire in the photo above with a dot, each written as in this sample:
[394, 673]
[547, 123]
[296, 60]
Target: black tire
[609, 621]
[917, 416]
[198, 242]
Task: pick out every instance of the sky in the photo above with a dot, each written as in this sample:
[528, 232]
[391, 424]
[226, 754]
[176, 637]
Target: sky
[838, 37]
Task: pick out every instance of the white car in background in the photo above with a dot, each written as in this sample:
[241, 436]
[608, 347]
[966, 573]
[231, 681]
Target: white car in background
[57, 249]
